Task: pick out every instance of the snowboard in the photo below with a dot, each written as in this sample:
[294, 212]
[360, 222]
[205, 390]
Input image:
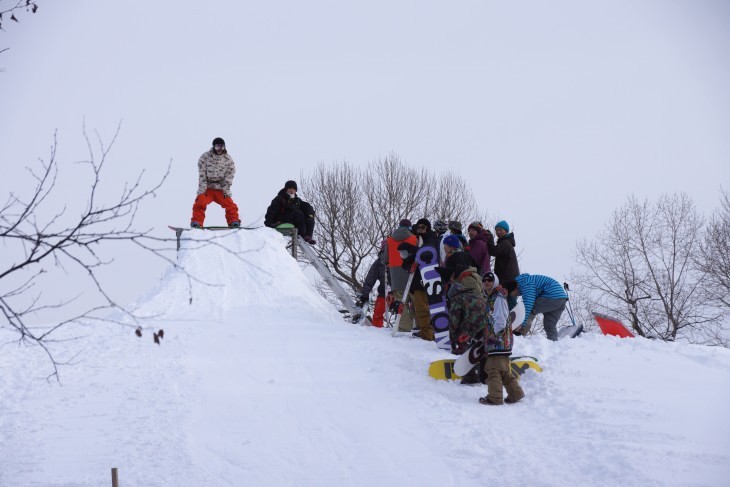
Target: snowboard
[474, 355]
[401, 306]
[612, 326]
[427, 260]
[181, 229]
[567, 332]
[444, 369]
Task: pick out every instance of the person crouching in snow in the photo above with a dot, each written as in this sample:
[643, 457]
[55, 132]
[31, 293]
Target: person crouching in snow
[216, 170]
[287, 207]
[540, 294]
[498, 345]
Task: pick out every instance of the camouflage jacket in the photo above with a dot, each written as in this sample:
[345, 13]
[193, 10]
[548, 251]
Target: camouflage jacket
[467, 316]
[216, 172]
[498, 334]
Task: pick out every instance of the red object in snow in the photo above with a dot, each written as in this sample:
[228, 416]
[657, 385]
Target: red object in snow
[612, 326]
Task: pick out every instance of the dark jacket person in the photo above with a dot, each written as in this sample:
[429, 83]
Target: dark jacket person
[287, 207]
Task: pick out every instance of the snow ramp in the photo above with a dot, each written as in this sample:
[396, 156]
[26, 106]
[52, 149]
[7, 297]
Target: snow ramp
[246, 274]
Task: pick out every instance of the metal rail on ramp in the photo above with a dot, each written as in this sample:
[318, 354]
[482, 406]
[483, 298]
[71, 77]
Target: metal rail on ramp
[331, 280]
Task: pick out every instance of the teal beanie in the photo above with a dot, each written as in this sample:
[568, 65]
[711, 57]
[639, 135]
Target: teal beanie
[503, 225]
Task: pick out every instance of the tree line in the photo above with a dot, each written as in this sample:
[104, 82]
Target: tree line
[658, 266]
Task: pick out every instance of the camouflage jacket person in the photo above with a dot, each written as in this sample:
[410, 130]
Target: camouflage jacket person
[498, 334]
[467, 316]
[216, 171]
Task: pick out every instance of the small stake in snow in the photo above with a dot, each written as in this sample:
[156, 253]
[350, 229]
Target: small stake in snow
[115, 478]
[138, 331]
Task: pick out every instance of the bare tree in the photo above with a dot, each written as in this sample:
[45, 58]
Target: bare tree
[357, 208]
[10, 7]
[41, 237]
[639, 268]
[713, 261]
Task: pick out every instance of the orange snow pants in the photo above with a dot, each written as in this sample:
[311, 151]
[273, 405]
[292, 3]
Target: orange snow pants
[379, 312]
[211, 195]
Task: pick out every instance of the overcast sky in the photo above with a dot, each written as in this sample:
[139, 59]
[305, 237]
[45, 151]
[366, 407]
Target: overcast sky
[554, 111]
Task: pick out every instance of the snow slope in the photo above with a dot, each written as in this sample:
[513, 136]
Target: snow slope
[259, 382]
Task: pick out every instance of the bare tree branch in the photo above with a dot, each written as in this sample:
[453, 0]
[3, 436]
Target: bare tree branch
[39, 239]
[358, 207]
[641, 268]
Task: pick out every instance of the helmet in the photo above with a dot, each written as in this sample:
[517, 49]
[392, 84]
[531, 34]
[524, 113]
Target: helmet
[440, 226]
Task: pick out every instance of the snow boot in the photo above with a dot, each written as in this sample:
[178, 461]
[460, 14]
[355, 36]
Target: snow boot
[471, 378]
[512, 400]
[236, 224]
[488, 402]
[194, 224]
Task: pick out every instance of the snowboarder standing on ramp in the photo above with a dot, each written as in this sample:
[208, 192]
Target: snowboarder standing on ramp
[287, 207]
[215, 177]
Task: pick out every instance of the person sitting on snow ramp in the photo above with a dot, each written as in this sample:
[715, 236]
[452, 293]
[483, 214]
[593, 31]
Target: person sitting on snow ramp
[287, 207]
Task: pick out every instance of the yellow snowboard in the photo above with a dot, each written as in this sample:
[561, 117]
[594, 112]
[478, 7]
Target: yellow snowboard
[444, 369]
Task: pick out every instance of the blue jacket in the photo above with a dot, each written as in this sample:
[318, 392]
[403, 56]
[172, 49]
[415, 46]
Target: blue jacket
[537, 286]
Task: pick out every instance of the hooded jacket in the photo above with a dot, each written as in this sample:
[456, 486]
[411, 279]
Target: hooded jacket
[467, 316]
[480, 252]
[505, 258]
[282, 205]
[216, 172]
[498, 336]
[537, 286]
[392, 259]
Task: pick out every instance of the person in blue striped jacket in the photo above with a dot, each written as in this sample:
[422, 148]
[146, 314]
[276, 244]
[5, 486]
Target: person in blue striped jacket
[540, 295]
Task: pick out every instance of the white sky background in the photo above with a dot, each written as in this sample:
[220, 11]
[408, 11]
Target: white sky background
[554, 111]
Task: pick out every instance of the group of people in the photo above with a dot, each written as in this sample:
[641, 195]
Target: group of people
[478, 297]
[216, 170]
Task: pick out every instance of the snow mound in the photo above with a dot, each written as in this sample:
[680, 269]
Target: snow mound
[243, 273]
[259, 381]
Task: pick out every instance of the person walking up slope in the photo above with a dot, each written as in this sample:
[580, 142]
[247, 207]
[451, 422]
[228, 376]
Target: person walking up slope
[216, 170]
[498, 344]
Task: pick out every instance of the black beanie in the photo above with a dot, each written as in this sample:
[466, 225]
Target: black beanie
[220, 141]
[424, 221]
[291, 184]
[510, 285]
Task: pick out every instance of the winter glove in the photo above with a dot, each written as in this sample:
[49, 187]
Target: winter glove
[389, 299]
[360, 302]
[396, 307]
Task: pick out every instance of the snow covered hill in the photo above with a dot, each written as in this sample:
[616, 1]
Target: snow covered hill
[259, 382]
